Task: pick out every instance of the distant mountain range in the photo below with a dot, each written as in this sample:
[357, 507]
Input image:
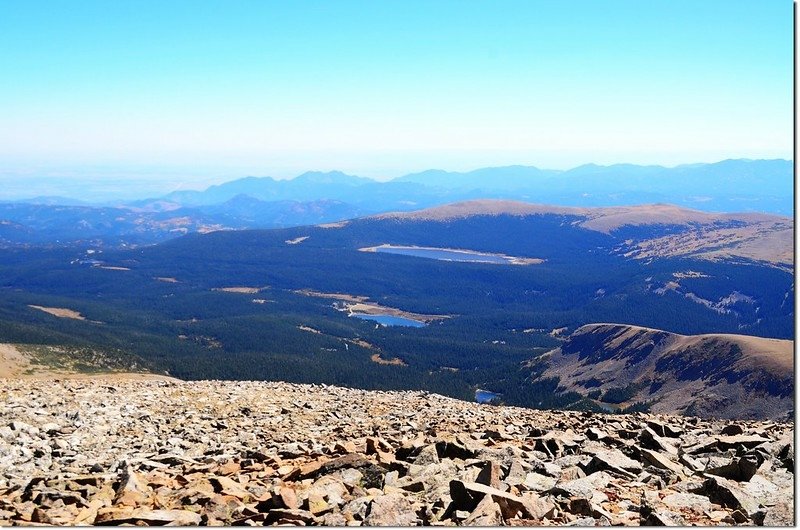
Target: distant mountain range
[730, 185]
[764, 186]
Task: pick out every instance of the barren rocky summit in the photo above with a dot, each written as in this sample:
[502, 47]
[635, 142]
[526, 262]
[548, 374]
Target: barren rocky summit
[145, 452]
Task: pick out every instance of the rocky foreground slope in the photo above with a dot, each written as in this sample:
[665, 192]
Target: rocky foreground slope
[162, 452]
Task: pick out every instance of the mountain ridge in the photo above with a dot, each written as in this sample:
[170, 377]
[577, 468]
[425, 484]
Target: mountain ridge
[757, 236]
[714, 374]
[655, 213]
[728, 185]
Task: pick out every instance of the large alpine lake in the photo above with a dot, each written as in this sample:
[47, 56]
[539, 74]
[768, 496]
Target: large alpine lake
[446, 254]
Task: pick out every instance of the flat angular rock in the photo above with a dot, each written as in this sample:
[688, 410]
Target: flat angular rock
[651, 440]
[150, 517]
[781, 514]
[539, 508]
[614, 461]
[132, 489]
[582, 522]
[224, 508]
[748, 441]
[487, 513]
[353, 461]
[317, 505]
[228, 486]
[517, 472]
[594, 433]
[703, 446]
[583, 487]
[537, 482]
[658, 460]
[390, 510]
[467, 495]
[280, 516]
[687, 501]
[289, 498]
[764, 491]
[655, 517]
[490, 475]
[726, 493]
[740, 469]
[427, 455]
[571, 473]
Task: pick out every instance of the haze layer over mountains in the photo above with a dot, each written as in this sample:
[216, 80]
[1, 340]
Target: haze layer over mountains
[763, 186]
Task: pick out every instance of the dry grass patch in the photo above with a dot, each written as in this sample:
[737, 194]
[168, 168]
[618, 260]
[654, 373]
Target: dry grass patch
[394, 361]
[60, 312]
[333, 296]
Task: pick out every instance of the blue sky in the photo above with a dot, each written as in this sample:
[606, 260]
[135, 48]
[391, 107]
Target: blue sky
[200, 91]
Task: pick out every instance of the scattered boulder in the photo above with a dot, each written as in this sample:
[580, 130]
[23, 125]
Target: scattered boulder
[256, 453]
[390, 510]
[486, 513]
[614, 461]
[725, 493]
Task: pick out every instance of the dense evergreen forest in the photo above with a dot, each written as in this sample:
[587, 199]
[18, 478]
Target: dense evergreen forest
[499, 317]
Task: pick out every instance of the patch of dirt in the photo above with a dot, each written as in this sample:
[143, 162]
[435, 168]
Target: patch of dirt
[60, 312]
[13, 363]
[240, 290]
[689, 274]
[394, 361]
[333, 296]
[106, 376]
[377, 309]
[362, 343]
[17, 363]
[770, 241]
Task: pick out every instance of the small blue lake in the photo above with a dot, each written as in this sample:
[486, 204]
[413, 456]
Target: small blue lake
[391, 320]
[445, 254]
[484, 396]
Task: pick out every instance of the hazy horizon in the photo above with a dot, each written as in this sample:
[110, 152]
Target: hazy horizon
[189, 94]
[98, 184]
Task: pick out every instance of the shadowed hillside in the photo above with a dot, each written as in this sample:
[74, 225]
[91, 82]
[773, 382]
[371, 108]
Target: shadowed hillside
[705, 375]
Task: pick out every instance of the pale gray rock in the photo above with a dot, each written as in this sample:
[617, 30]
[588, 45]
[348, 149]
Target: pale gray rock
[390, 510]
[276, 453]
